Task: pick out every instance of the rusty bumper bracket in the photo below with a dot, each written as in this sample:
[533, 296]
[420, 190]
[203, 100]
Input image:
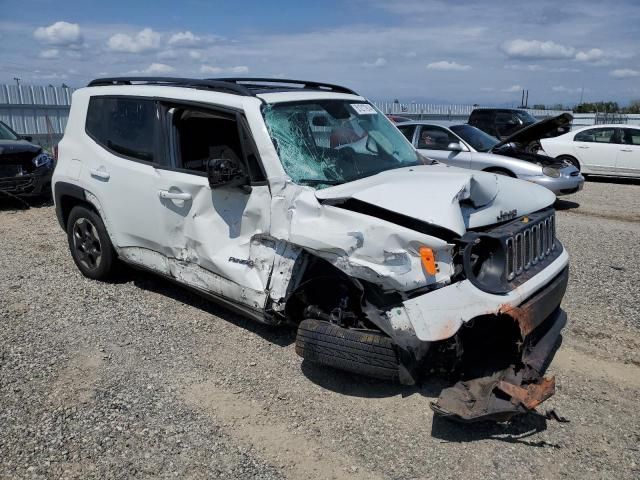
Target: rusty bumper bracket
[511, 391]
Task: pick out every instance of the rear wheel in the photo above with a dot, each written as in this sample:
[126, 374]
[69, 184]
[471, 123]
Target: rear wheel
[363, 352]
[89, 244]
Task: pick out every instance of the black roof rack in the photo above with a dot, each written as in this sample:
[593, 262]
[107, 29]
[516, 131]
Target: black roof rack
[228, 87]
[237, 86]
[271, 84]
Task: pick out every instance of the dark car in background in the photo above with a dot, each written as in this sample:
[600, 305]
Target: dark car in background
[25, 168]
[504, 122]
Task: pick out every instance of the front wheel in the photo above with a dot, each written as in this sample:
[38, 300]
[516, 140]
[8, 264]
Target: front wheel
[89, 244]
[365, 353]
[572, 160]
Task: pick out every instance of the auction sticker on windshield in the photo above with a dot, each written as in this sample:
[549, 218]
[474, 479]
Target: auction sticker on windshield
[363, 109]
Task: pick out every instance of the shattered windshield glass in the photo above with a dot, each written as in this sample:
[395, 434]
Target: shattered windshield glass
[329, 142]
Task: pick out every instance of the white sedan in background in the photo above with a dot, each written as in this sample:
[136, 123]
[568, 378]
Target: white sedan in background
[599, 149]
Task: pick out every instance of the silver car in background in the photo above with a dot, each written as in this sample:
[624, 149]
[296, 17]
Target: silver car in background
[468, 147]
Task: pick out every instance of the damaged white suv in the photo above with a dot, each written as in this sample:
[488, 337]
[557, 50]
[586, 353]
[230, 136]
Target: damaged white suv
[299, 203]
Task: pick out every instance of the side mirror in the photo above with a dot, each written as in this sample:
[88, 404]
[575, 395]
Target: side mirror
[225, 172]
[28, 138]
[456, 147]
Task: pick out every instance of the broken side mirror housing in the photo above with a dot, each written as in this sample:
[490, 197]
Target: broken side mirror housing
[225, 172]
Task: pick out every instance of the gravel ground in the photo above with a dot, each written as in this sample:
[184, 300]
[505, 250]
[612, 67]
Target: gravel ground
[139, 378]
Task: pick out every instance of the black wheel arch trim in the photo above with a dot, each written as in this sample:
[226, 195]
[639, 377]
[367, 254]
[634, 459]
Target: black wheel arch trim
[62, 190]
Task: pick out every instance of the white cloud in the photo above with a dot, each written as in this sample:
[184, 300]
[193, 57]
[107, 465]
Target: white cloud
[143, 41]
[448, 66]
[154, 69]
[168, 54]
[378, 62]
[593, 55]
[185, 39]
[625, 73]
[525, 49]
[194, 54]
[513, 89]
[562, 89]
[50, 53]
[209, 69]
[61, 34]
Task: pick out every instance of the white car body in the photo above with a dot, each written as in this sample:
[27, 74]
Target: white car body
[611, 149]
[248, 247]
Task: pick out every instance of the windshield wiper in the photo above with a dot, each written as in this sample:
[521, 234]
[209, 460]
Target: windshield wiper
[319, 181]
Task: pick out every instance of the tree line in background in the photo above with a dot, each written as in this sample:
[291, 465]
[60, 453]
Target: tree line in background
[595, 107]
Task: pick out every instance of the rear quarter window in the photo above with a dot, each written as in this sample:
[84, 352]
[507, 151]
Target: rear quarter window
[124, 126]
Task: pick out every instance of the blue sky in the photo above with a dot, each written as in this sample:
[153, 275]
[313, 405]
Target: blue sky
[424, 50]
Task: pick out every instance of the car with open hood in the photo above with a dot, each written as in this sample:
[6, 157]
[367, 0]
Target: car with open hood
[25, 168]
[504, 122]
[468, 147]
[300, 204]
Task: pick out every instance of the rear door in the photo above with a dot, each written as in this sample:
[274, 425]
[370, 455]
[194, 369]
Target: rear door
[628, 158]
[433, 141]
[120, 163]
[597, 148]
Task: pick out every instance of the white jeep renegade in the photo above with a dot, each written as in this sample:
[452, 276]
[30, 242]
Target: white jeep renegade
[299, 203]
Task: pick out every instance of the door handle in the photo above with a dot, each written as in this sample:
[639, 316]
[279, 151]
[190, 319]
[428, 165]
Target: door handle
[582, 146]
[100, 173]
[625, 150]
[174, 195]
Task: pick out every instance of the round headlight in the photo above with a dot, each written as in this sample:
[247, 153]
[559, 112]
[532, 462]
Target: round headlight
[551, 172]
[42, 159]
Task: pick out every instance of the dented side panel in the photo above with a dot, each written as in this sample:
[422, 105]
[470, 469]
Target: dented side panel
[363, 247]
[218, 230]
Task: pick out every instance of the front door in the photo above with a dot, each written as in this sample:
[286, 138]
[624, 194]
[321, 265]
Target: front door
[214, 237]
[597, 148]
[434, 141]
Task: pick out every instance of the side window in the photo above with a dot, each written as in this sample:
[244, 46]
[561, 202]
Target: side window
[407, 131]
[124, 125]
[480, 117]
[198, 136]
[597, 135]
[632, 136]
[436, 138]
[504, 118]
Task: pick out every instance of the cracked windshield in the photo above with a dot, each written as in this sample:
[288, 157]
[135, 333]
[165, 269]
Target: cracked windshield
[323, 143]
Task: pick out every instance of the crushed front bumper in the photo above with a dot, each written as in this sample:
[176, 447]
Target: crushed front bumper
[520, 387]
[34, 184]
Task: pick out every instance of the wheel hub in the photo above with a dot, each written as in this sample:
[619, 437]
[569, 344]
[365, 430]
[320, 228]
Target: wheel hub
[87, 243]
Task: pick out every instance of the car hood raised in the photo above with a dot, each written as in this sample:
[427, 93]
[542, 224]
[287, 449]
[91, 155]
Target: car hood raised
[447, 197]
[536, 131]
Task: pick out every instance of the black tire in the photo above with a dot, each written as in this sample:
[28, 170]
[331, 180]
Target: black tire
[500, 171]
[89, 243]
[364, 353]
[572, 160]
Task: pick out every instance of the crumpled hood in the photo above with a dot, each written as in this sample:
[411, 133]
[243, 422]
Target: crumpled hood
[448, 197]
